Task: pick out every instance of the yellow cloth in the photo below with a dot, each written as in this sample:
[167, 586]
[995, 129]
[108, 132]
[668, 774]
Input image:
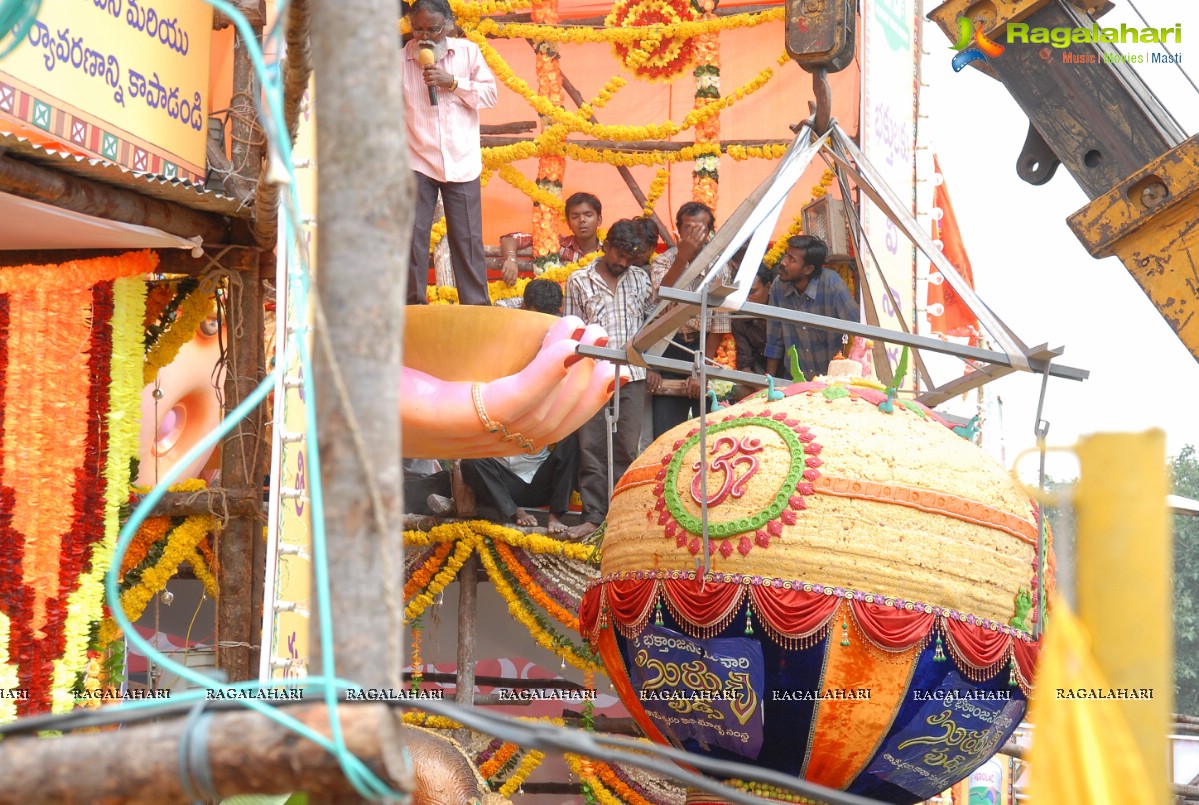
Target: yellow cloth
[1082, 751]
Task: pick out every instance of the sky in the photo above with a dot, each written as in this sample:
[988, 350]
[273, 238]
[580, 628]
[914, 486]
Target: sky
[1036, 276]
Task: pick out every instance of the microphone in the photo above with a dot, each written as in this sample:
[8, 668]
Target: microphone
[424, 55]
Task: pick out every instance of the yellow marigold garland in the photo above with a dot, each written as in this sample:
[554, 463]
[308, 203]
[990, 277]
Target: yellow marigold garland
[182, 542]
[196, 308]
[517, 179]
[437, 233]
[204, 574]
[418, 719]
[85, 606]
[530, 586]
[528, 764]
[656, 188]
[578, 34]
[462, 550]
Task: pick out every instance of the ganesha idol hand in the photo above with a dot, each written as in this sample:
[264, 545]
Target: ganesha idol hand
[534, 403]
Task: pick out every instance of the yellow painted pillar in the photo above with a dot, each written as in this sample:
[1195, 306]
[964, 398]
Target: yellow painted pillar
[1125, 578]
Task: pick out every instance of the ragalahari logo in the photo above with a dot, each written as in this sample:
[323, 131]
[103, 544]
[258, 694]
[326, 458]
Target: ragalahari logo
[973, 45]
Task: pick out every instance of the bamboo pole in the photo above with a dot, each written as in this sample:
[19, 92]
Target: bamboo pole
[622, 146]
[468, 605]
[27, 180]
[242, 454]
[140, 765]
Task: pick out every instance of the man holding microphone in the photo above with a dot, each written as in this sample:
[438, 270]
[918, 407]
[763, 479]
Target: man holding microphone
[446, 83]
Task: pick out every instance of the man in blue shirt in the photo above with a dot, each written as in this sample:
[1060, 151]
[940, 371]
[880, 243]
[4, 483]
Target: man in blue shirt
[803, 284]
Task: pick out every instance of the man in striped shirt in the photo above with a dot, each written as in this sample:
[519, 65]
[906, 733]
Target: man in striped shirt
[614, 293]
[442, 100]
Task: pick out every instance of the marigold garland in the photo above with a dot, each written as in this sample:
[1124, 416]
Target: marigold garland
[656, 188]
[528, 765]
[181, 543]
[204, 574]
[560, 614]
[75, 275]
[421, 578]
[653, 56]
[462, 550]
[557, 644]
[483, 537]
[607, 775]
[501, 757]
[193, 310]
[578, 34]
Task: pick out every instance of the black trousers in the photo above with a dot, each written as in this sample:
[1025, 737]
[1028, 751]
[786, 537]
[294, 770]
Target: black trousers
[464, 228]
[668, 410]
[418, 489]
[551, 484]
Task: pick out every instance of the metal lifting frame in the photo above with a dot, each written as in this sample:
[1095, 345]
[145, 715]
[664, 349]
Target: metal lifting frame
[752, 224]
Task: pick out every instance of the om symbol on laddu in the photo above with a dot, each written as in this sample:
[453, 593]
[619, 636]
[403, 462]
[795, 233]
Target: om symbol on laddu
[737, 454]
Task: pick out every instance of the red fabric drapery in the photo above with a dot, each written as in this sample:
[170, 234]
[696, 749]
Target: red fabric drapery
[702, 604]
[796, 613]
[892, 628]
[981, 647]
[589, 610]
[793, 613]
[629, 600]
[1026, 657]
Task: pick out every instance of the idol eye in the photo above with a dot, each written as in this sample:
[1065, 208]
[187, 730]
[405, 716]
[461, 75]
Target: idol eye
[209, 326]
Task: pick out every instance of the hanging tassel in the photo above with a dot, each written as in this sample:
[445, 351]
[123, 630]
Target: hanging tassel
[1011, 676]
[563, 663]
[939, 654]
[749, 623]
[844, 633]
[658, 614]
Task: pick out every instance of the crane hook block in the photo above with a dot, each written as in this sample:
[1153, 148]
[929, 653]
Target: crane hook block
[820, 33]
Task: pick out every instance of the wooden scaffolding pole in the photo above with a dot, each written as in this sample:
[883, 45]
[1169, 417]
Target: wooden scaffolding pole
[365, 230]
[364, 197]
[242, 459]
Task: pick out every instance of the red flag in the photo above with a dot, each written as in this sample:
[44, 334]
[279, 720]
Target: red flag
[947, 313]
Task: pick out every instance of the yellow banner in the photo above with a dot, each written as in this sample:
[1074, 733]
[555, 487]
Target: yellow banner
[125, 80]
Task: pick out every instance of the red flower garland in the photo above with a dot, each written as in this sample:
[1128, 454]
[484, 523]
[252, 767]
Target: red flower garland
[34, 655]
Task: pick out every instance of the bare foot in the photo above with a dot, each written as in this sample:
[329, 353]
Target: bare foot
[554, 526]
[582, 530]
[523, 518]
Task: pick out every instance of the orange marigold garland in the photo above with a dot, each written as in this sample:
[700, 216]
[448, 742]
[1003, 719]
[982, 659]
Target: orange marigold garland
[550, 166]
[68, 420]
[706, 173]
[655, 57]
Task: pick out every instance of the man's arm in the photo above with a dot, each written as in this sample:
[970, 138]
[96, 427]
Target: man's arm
[691, 240]
[477, 90]
[509, 245]
[774, 333]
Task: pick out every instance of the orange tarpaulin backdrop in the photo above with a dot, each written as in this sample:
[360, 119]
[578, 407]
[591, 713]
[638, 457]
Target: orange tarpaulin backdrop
[766, 114]
[744, 52]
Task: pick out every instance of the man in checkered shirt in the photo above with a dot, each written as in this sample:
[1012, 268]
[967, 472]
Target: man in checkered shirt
[804, 284]
[615, 293]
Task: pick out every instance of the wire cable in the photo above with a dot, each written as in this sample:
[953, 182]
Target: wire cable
[1177, 62]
